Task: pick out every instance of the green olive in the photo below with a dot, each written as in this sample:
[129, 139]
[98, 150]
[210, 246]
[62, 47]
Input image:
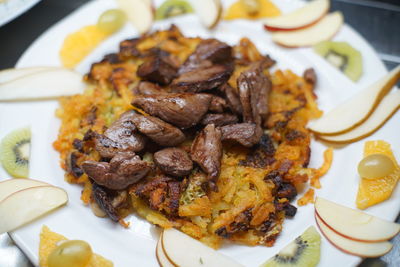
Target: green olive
[72, 253]
[111, 20]
[375, 166]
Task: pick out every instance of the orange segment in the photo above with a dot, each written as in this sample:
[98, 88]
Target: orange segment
[371, 192]
[48, 242]
[79, 44]
[237, 11]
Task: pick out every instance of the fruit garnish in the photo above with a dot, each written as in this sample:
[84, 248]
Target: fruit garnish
[300, 18]
[209, 12]
[304, 251]
[322, 30]
[79, 44]
[49, 241]
[11, 74]
[29, 204]
[111, 20]
[375, 166]
[345, 117]
[172, 8]
[71, 253]
[15, 152]
[11, 186]
[372, 192]
[250, 9]
[354, 224]
[138, 12]
[343, 56]
[49, 83]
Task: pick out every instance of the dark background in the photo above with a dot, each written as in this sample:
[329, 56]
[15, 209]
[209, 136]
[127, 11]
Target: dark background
[377, 21]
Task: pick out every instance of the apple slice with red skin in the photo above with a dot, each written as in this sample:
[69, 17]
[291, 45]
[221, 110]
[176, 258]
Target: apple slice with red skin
[161, 258]
[323, 30]
[361, 249]
[29, 204]
[300, 18]
[354, 224]
[182, 250]
[11, 186]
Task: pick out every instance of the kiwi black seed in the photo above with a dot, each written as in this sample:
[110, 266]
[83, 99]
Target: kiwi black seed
[15, 152]
[171, 8]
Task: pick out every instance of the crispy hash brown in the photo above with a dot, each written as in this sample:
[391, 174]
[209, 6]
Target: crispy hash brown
[255, 185]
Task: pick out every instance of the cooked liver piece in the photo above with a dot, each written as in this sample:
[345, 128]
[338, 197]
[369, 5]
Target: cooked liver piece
[123, 170]
[246, 134]
[206, 151]
[183, 109]
[203, 79]
[173, 161]
[232, 99]
[210, 50]
[218, 104]
[156, 70]
[159, 131]
[219, 119]
[119, 137]
[310, 76]
[148, 88]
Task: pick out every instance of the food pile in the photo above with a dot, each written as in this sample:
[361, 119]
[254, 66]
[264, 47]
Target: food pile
[190, 133]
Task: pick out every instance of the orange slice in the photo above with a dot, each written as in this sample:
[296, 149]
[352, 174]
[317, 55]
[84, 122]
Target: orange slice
[371, 192]
[79, 44]
[237, 11]
[48, 242]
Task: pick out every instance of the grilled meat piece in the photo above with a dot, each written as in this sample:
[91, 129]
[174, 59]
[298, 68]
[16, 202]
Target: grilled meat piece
[159, 131]
[72, 165]
[148, 88]
[119, 137]
[209, 50]
[289, 210]
[232, 99]
[246, 134]
[183, 110]
[218, 104]
[123, 170]
[200, 80]
[262, 155]
[206, 151]
[173, 161]
[156, 70]
[104, 201]
[310, 76]
[219, 119]
[287, 190]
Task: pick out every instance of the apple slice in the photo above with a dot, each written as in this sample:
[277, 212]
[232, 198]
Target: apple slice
[29, 204]
[385, 110]
[354, 224]
[323, 30]
[182, 250]
[139, 13]
[300, 18]
[361, 249]
[11, 186]
[43, 85]
[357, 109]
[7, 75]
[161, 258]
[209, 11]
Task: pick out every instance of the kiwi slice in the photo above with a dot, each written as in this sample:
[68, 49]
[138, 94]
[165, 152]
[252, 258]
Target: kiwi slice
[343, 56]
[171, 8]
[15, 151]
[304, 251]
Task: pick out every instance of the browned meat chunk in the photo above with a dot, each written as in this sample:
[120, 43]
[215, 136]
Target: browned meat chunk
[123, 170]
[207, 152]
[246, 134]
[219, 119]
[173, 161]
[287, 190]
[159, 131]
[310, 76]
[156, 70]
[210, 50]
[128, 48]
[103, 199]
[232, 99]
[119, 137]
[218, 104]
[262, 155]
[148, 88]
[202, 79]
[183, 110]
[72, 165]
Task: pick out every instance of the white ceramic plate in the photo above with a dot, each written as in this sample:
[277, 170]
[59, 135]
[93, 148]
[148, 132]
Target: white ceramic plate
[11, 9]
[136, 246]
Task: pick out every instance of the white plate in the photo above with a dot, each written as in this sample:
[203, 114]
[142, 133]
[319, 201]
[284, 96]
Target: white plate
[136, 246]
[11, 9]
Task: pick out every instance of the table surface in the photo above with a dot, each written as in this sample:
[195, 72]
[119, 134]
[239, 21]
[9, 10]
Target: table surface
[377, 21]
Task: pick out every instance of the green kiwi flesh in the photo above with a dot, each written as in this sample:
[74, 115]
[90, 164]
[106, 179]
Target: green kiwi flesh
[15, 152]
[343, 56]
[304, 251]
[171, 8]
